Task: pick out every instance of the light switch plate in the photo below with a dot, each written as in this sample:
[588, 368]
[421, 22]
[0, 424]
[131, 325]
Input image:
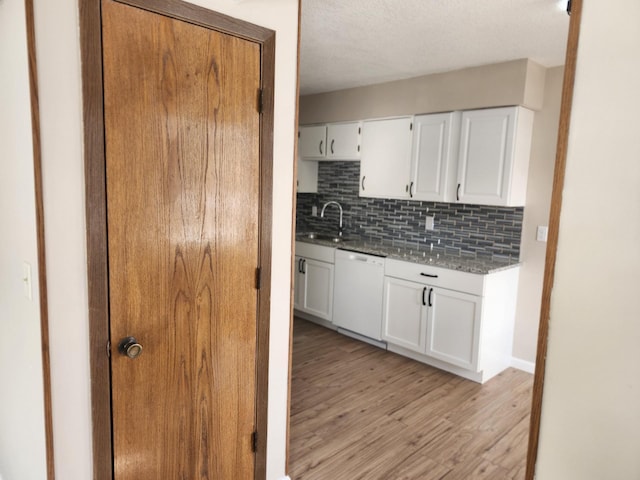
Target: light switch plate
[314, 211]
[541, 233]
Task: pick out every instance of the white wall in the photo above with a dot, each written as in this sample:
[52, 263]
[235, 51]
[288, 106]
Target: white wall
[536, 212]
[591, 405]
[22, 437]
[61, 109]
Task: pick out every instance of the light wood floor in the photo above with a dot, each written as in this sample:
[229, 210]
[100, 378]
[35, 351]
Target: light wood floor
[359, 412]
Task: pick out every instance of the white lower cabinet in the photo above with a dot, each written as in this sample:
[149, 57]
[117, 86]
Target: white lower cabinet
[404, 318]
[460, 322]
[313, 280]
[432, 321]
[453, 327]
[314, 288]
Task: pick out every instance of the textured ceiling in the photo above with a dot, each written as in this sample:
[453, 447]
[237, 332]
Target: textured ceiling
[349, 43]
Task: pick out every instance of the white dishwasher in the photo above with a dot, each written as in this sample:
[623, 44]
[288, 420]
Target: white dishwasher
[357, 295]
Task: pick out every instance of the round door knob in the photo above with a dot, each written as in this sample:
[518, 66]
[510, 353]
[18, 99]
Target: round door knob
[130, 347]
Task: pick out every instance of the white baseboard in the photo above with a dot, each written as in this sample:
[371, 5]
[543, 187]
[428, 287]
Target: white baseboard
[287, 477]
[524, 365]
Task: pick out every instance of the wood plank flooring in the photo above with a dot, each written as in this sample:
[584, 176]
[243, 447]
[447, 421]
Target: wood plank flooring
[359, 412]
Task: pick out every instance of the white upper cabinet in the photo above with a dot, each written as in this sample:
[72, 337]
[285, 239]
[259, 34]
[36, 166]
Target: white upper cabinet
[386, 158]
[312, 142]
[493, 160]
[307, 176]
[343, 141]
[334, 141]
[433, 159]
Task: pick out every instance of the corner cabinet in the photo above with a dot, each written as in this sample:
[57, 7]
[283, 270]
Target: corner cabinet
[457, 321]
[493, 162]
[386, 158]
[307, 176]
[313, 280]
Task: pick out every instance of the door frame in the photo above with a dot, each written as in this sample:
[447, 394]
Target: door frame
[552, 242]
[96, 212]
[40, 239]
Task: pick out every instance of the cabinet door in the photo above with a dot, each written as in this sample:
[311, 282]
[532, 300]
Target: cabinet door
[318, 288]
[432, 164]
[453, 327]
[298, 284]
[343, 141]
[307, 179]
[386, 158]
[493, 160]
[404, 317]
[312, 142]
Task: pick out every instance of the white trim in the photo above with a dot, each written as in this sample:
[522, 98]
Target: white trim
[524, 365]
[286, 477]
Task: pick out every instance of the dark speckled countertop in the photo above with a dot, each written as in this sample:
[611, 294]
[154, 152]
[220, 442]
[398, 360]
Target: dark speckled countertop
[438, 257]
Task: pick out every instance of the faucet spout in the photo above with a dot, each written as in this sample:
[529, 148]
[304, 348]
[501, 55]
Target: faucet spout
[324, 207]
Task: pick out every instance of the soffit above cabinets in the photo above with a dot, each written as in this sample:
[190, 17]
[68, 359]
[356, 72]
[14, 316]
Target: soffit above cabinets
[352, 43]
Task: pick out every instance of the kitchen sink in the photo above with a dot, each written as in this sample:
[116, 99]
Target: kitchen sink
[322, 236]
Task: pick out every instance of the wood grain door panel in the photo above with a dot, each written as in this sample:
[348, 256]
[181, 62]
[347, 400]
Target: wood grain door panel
[183, 169]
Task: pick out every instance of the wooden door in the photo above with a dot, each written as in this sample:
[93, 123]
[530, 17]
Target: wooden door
[183, 173]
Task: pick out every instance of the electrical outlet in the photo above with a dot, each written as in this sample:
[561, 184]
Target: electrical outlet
[429, 222]
[541, 233]
[314, 211]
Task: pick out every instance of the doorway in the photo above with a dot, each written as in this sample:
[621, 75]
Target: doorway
[567, 85]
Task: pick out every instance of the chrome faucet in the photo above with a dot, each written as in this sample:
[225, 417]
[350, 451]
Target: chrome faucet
[340, 207]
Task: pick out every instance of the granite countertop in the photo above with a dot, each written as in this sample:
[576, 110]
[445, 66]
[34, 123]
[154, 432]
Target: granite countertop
[438, 257]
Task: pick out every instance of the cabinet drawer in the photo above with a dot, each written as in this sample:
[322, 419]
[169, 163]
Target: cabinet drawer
[315, 252]
[436, 276]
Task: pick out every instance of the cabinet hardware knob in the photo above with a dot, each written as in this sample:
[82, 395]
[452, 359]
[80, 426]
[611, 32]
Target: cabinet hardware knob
[130, 347]
[424, 291]
[332, 142]
[320, 148]
[411, 190]
[363, 177]
[430, 292]
[458, 193]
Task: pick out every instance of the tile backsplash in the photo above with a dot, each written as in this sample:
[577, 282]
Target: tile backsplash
[469, 229]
